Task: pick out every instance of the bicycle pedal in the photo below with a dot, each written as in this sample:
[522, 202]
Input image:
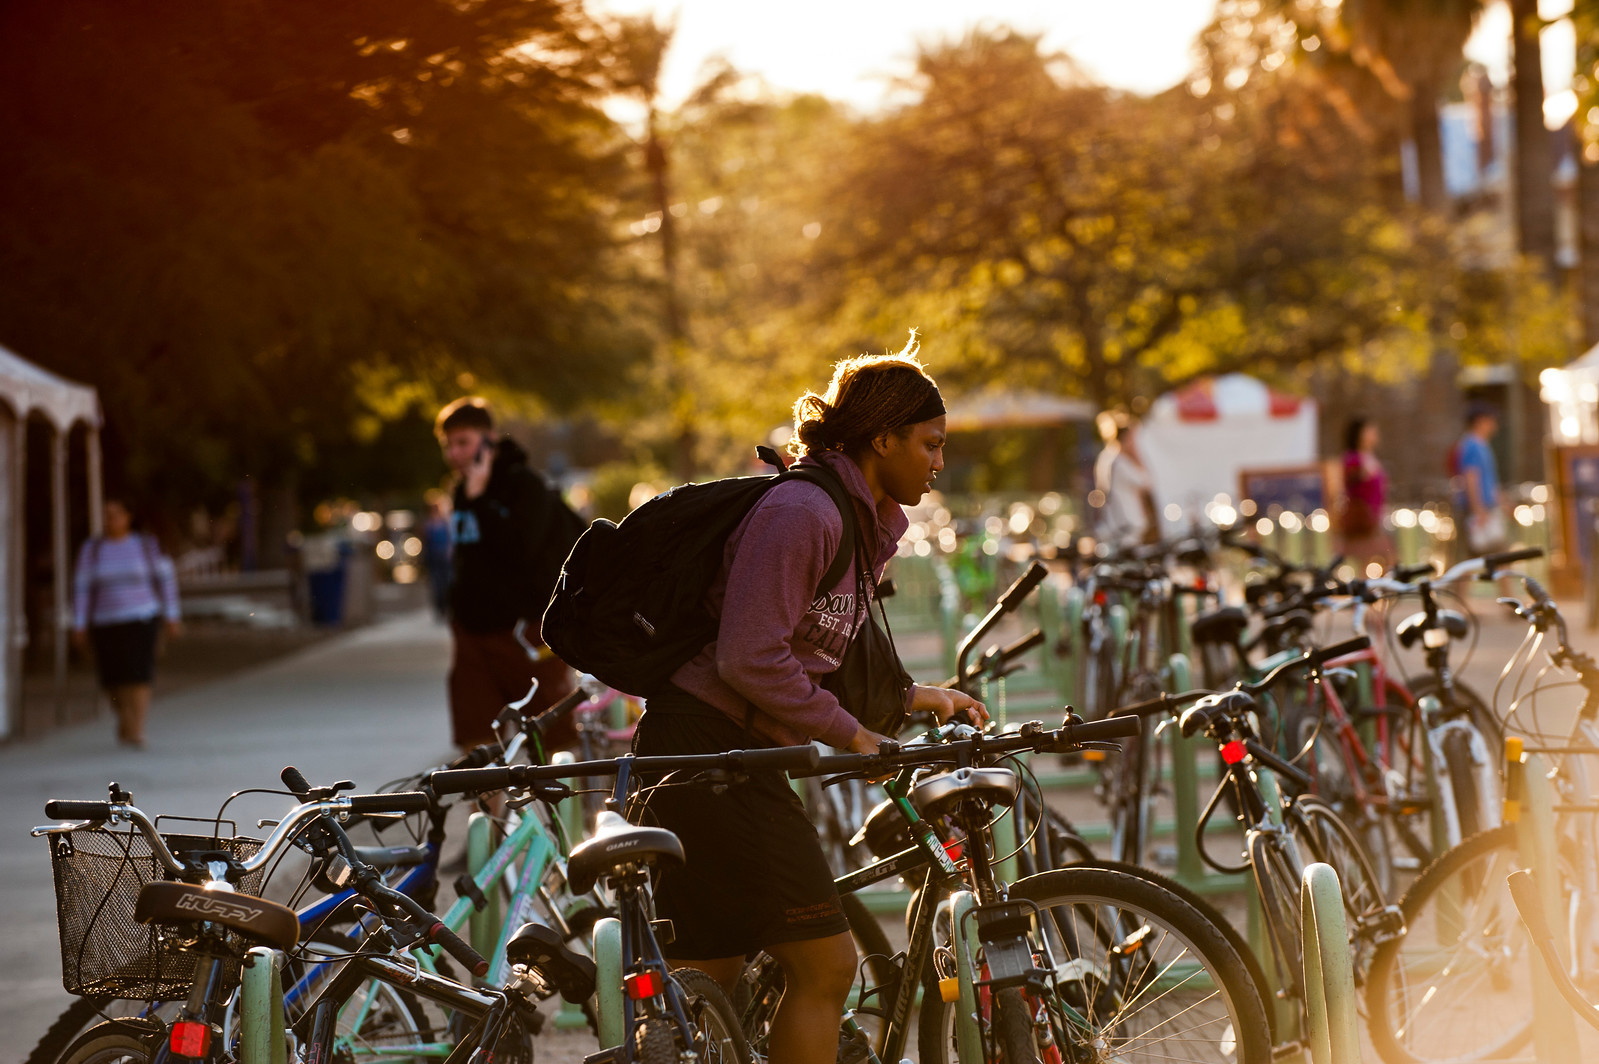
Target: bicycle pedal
[613, 1055]
[1381, 925]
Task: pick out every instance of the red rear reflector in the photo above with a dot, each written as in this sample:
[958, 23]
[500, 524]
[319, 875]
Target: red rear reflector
[1233, 752]
[641, 985]
[1100, 598]
[190, 1039]
[954, 850]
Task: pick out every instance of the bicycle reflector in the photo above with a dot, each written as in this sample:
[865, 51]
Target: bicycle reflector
[1233, 752]
[190, 1039]
[641, 985]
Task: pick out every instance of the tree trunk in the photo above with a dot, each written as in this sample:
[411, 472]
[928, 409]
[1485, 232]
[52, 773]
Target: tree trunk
[1588, 249]
[1535, 198]
[1429, 149]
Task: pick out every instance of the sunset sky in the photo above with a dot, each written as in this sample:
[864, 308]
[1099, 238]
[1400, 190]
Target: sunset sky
[852, 49]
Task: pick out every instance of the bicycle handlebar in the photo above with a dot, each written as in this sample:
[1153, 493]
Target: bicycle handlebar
[1167, 703]
[1032, 737]
[1008, 601]
[1023, 587]
[478, 780]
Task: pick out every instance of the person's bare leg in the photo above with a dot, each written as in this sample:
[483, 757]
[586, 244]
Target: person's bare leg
[725, 970]
[136, 698]
[118, 697]
[817, 975]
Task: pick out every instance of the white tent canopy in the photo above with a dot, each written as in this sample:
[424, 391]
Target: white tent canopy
[26, 390]
[1198, 439]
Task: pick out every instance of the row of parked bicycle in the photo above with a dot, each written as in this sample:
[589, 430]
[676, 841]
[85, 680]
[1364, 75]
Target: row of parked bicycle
[1021, 944]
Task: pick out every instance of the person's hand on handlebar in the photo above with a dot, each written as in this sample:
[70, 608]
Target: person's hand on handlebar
[866, 741]
[943, 703]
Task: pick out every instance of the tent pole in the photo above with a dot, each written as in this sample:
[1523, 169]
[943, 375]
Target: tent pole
[15, 586]
[91, 445]
[58, 554]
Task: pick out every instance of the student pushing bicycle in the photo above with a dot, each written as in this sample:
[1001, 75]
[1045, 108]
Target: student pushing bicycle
[787, 615]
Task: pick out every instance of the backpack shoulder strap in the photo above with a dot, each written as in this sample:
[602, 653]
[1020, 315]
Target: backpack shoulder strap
[829, 482]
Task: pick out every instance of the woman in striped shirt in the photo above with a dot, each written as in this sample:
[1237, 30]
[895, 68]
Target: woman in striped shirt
[124, 588]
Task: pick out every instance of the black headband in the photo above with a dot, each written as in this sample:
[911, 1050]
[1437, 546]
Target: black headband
[932, 406]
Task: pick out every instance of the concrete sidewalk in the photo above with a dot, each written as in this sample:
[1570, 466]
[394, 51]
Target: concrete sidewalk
[367, 706]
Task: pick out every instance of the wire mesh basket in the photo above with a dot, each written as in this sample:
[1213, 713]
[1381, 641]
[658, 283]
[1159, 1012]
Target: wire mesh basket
[104, 951]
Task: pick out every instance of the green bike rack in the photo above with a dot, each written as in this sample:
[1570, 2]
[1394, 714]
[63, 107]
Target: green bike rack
[1072, 664]
[1332, 1023]
[608, 980]
[1530, 804]
[1185, 780]
[968, 1038]
[483, 926]
[949, 613]
[261, 1007]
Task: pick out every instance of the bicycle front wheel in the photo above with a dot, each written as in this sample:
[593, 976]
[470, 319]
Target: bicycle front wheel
[1141, 977]
[1454, 986]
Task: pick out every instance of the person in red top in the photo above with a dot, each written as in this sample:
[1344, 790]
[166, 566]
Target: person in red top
[756, 877]
[1362, 540]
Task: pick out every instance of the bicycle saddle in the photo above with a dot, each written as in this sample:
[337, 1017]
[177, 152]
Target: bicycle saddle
[615, 843]
[1412, 628]
[1224, 625]
[934, 796]
[1278, 632]
[1213, 708]
[261, 921]
[541, 949]
[885, 832]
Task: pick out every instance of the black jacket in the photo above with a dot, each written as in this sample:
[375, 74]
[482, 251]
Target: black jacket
[503, 569]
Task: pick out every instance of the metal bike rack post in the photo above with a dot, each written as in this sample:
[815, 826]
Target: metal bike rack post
[1185, 780]
[1529, 804]
[968, 1037]
[1333, 1026]
[483, 927]
[608, 980]
[949, 613]
[261, 1007]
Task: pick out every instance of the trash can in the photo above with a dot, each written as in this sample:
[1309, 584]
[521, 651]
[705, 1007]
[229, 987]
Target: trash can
[327, 559]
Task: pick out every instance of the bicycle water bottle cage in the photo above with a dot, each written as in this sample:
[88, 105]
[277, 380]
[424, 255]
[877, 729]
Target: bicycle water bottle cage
[1415, 627]
[1002, 928]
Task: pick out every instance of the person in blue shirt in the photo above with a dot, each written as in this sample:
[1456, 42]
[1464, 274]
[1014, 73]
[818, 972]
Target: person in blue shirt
[1476, 476]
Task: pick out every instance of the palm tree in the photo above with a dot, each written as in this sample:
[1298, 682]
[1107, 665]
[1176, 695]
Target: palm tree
[1414, 47]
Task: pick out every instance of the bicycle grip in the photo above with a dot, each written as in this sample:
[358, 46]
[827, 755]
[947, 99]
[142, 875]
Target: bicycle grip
[479, 756]
[469, 780]
[65, 809]
[1507, 557]
[392, 802]
[561, 709]
[455, 946]
[1023, 586]
[295, 781]
[1407, 573]
[1163, 704]
[781, 758]
[1338, 650]
[1094, 731]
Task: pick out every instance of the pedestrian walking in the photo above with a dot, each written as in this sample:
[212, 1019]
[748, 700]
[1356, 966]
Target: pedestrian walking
[511, 532]
[123, 591]
[1476, 479]
[1362, 539]
[756, 878]
[436, 550]
[1123, 486]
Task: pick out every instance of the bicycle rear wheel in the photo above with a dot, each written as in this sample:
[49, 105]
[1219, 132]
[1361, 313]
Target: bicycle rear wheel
[114, 1042]
[1151, 977]
[713, 1018]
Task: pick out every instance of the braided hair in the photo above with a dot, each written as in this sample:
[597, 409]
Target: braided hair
[868, 396]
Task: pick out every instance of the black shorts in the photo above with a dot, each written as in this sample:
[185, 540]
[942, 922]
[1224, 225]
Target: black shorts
[755, 873]
[124, 654]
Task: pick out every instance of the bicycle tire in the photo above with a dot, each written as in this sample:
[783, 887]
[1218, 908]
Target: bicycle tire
[654, 1042]
[1235, 1009]
[74, 1020]
[399, 1017]
[1014, 1028]
[1332, 842]
[1482, 861]
[1278, 888]
[713, 1015]
[114, 1042]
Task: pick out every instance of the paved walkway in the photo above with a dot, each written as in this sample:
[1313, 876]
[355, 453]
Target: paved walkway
[368, 706]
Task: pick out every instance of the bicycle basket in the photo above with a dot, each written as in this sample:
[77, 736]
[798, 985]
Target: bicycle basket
[104, 951]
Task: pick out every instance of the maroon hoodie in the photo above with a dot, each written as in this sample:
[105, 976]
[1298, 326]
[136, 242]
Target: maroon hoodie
[777, 635]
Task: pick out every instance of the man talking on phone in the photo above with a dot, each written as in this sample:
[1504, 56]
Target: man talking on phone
[512, 532]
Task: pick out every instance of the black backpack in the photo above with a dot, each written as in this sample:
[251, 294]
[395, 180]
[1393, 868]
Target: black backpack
[629, 607]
